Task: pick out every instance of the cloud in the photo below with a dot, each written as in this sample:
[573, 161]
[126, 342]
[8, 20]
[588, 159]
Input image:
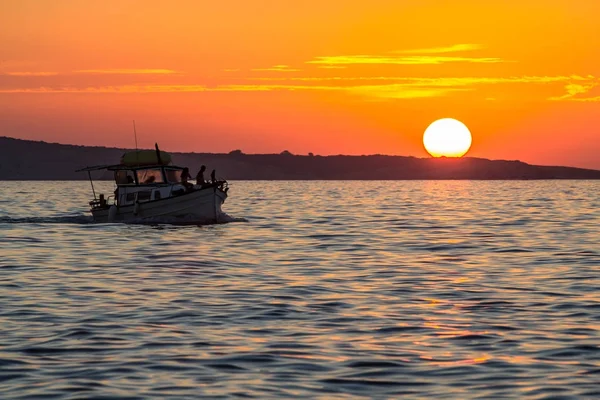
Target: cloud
[448, 49]
[397, 91]
[400, 91]
[21, 68]
[277, 68]
[423, 56]
[127, 71]
[574, 90]
[440, 82]
[402, 87]
[269, 88]
[416, 87]
[94, 72]
[110, 89]
[381, 87]
[588, 99]
[166, 89]
[29, 73]
[401, 60]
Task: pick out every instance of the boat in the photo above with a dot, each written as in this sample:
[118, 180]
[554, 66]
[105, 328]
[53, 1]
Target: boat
[149, 187]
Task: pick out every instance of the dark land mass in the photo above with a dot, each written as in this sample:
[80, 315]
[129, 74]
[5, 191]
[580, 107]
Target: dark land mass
[33, 160]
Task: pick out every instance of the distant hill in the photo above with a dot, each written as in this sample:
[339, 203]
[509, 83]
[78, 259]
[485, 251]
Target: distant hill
[32, 160]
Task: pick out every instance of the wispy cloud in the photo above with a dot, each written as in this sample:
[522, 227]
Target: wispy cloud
[29, 73]
[440, 50]
[587, 99]
[422, 56]
[368, 87]
[441, 82]
[400, 91]
[575, 90]
[110, 89]
[385, 91]
[270, 88]
[277, 68]
[125, 71]
[168, 89]
[417, 87]
[401, 60]
[148, 71]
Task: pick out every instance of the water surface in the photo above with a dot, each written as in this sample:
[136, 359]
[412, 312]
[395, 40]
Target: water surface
[455, 289]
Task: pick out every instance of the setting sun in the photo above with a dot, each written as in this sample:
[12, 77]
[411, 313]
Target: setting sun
[447, 137]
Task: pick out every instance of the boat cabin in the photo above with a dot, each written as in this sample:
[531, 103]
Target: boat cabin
[142, 175]
[146, 183]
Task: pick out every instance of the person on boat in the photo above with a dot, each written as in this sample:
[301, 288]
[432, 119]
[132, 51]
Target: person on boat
[120, 178]
[185, 175]
[200, 176]
[213, 178]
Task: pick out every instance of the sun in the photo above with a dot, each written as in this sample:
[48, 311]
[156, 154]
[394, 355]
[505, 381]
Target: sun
[447, 137]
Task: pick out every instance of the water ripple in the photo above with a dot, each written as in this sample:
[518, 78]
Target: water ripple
[328, 290]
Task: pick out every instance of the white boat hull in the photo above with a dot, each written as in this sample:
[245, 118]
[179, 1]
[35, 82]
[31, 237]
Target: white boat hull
[202, 205]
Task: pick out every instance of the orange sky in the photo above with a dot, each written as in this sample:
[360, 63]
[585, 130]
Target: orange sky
[326, 76]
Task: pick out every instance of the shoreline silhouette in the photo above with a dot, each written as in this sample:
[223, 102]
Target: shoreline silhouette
[37, 160]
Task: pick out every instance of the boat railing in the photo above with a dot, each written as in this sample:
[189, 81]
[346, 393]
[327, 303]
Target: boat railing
[100, 202]
[219, 184]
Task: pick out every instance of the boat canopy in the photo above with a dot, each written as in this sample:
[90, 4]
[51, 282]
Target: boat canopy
[97, 168]
[120, 167]
[137, 159]
[145, 158]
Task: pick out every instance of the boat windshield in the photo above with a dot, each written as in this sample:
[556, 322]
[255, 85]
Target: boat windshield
[173, 175]
[150, 175]
[124, 177]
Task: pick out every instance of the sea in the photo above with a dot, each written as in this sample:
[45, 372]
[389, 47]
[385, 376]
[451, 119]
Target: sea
[306, 289]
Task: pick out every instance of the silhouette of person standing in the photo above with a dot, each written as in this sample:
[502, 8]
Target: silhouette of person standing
[213, 179]
[200, 176]
[185, 175]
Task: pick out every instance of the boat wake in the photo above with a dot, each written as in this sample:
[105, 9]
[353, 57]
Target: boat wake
[85, 219]
[223, 218]
[63, 219]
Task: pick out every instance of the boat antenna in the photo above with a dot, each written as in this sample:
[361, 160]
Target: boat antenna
[136, 147]
[135, 135]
